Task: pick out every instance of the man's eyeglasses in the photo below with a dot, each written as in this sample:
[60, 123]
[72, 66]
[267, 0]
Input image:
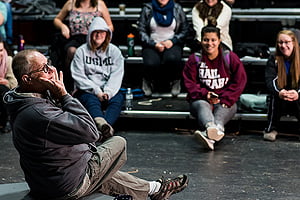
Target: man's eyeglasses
[284, 42]
[45, 68]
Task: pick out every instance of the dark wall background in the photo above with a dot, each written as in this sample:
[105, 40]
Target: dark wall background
[238, 3]
[40, 32]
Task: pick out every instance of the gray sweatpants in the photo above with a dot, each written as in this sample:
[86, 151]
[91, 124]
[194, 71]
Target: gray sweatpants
[205, 113]
[104, 176]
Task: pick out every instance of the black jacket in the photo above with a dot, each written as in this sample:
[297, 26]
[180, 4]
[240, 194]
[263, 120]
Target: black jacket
[271, 76]
[181, 30]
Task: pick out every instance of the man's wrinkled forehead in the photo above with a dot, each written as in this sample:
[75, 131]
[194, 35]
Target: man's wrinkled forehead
[35, 57]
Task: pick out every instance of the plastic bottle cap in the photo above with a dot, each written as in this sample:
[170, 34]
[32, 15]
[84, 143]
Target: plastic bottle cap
[130, 35]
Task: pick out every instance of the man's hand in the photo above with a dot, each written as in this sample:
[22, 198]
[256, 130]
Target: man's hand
[55, 85]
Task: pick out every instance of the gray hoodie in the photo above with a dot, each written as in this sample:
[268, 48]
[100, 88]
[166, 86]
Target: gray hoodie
[100, 71]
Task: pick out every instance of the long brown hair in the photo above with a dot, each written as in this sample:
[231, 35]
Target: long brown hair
[294, 58]
[93, 3]
[205, 10]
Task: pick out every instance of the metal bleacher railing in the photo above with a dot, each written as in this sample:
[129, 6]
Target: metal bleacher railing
[251, 14]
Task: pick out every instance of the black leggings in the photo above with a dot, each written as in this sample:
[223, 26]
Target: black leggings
[278, 108]
[162, 65]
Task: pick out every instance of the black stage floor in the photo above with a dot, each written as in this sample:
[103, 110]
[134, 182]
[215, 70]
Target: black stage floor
[242, 166]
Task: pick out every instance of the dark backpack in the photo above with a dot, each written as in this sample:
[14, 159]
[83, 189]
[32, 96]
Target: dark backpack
[260, 50]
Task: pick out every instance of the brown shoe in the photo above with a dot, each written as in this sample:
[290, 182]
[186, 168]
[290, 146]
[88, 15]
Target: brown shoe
[169, 187]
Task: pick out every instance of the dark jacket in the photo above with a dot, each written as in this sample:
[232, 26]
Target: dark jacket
[271, 76]
[181, 30]
[53, 142]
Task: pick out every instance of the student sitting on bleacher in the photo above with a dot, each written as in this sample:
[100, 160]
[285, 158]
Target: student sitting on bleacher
[80, 15]
[283, 81]
[212, 8]
[214, 78]
[97, 70]
[163, 28]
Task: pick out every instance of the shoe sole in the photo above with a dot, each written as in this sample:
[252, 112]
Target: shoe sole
[212, 133]
[204, 141]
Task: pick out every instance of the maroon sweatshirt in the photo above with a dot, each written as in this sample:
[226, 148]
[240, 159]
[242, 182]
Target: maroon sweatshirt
[214, 75]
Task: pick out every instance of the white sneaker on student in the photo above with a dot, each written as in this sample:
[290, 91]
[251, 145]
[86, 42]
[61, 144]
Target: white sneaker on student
[207, 143]
[271, 136]
[147, 87]
[175, 88]
[214, 133]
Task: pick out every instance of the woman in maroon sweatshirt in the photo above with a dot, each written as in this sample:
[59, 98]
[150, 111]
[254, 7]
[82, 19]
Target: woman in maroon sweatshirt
[214, 79]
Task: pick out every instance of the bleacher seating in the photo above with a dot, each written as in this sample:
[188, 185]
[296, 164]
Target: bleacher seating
[259, 24]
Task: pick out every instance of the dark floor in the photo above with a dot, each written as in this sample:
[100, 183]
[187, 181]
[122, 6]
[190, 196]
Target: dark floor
[242, 167]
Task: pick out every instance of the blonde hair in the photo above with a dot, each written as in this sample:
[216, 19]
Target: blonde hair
[294, 58]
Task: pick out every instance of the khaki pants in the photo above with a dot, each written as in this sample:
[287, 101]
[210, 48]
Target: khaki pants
[103, 173]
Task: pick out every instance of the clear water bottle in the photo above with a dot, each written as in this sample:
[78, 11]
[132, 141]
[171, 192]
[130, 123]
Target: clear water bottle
[128, 99]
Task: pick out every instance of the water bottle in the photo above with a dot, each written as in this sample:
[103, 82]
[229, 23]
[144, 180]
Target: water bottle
[130, 44]
[128, 99]
[21, 43]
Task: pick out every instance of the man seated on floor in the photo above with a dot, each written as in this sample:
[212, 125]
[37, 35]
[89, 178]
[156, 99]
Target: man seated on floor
[55, 137]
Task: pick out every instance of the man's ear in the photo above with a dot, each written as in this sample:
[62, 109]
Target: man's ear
[26, 79]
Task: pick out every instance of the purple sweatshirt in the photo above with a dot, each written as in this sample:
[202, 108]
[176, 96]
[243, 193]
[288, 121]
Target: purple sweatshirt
[213, 75]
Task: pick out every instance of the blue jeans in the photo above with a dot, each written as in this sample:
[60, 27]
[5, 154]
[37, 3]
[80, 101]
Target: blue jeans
[96, 108]
[9, 25]
[204, 113]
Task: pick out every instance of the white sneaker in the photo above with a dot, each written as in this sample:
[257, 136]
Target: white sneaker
[207, 143]
[147, 88]
[176, 87]
[214, 133]
[270, 136]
